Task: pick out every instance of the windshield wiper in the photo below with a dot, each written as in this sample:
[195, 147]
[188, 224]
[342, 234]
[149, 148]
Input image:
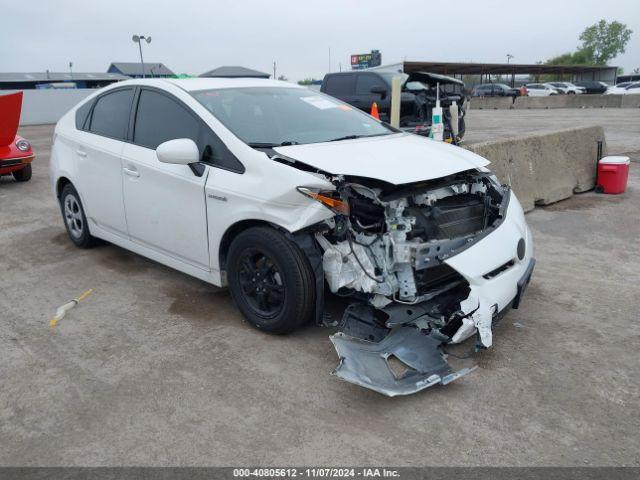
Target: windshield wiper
[286, 143]
[346, 137]
[353, 137]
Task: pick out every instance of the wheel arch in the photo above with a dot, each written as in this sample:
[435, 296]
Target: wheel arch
[304, 241]
[60, 184]
[234, 230]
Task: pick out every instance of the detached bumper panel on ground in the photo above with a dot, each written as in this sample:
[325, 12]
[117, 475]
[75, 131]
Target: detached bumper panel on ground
[404, 362]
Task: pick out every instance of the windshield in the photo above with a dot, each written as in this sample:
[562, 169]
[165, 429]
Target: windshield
[273, 116]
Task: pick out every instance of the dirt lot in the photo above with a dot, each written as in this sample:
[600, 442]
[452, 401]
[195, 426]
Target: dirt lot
[157, 368]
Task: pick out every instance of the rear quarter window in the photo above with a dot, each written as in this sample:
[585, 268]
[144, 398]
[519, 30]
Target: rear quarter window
[82, 115]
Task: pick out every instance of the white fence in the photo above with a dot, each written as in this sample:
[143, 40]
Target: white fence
[47, 106]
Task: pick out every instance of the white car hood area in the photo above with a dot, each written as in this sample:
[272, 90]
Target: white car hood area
[396, 159]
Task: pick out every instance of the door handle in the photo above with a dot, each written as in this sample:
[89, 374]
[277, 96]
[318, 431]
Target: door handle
[81, 153]
[131, 172]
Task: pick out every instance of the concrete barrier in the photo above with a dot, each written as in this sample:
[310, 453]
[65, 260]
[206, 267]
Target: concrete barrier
[491, 103]
[47, 106]
[570, 101]
[556, 101]
[630, 101]
[545, 168]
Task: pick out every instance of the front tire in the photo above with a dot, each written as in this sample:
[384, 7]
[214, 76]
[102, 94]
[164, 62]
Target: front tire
[24, 174]
[270, 280]
[74, 218]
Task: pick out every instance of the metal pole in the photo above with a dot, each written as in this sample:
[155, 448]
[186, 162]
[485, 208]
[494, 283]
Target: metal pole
[141, 60]
[274, 70]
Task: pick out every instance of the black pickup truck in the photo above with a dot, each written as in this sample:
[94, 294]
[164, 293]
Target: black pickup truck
[418, 97]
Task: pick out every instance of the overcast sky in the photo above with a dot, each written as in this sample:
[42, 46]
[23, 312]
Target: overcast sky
[192, 36]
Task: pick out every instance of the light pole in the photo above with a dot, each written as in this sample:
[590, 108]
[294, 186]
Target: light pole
[138, 39]
[71, 69]
[509, 57]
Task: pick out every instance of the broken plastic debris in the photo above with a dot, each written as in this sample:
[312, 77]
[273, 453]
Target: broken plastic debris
[479, 317]
[404, 362]
[63, 309]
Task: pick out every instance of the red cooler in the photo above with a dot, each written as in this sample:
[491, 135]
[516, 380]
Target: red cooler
[613, 173]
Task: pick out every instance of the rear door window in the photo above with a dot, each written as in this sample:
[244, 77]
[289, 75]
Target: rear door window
[366, 81]
[110, 117]
[341, 85]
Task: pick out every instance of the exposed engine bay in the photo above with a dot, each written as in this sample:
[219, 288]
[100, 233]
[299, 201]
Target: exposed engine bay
[391, 245]
[386, 248]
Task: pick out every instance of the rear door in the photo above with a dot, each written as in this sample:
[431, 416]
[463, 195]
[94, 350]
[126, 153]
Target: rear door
[99, 164]
[165, 203]
[341, 86]
[363, 98]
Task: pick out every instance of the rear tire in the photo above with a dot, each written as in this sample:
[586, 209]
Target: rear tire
[24, 174]
[270, 280]
[75, 220]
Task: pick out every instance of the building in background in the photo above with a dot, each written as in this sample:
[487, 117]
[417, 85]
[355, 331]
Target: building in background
[57, 80]
[234, 72]
[134, 69]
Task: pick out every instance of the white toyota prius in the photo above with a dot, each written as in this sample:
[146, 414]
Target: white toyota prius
[277, 192]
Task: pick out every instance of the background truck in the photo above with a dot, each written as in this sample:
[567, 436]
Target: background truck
[362, 88]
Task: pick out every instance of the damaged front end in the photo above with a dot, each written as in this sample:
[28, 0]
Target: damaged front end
[387, 248]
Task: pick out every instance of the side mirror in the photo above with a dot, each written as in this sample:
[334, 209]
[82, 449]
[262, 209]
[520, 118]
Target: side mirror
[380, 90]
[182, 151]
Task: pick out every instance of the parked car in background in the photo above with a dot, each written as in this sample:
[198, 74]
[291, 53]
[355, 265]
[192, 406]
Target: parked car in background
[540, 90]
[567, 88]
[632, 89]
[16, 154]
[276, 191]
[362, 89]
[623, 88]
[494, 90]
[591, 86]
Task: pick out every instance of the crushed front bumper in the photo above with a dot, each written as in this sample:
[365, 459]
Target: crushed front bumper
[407, 359]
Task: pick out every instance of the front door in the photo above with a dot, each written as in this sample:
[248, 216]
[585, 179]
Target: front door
[165, 204]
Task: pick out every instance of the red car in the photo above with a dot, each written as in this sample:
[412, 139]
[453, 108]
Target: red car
[16, 154]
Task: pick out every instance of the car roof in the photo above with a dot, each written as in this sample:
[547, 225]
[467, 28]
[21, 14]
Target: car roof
[195, 84]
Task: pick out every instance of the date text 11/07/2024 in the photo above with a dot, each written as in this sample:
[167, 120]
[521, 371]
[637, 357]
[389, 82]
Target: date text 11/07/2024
[316, 472]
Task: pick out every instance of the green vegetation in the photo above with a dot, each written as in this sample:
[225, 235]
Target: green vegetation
[601, 42]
